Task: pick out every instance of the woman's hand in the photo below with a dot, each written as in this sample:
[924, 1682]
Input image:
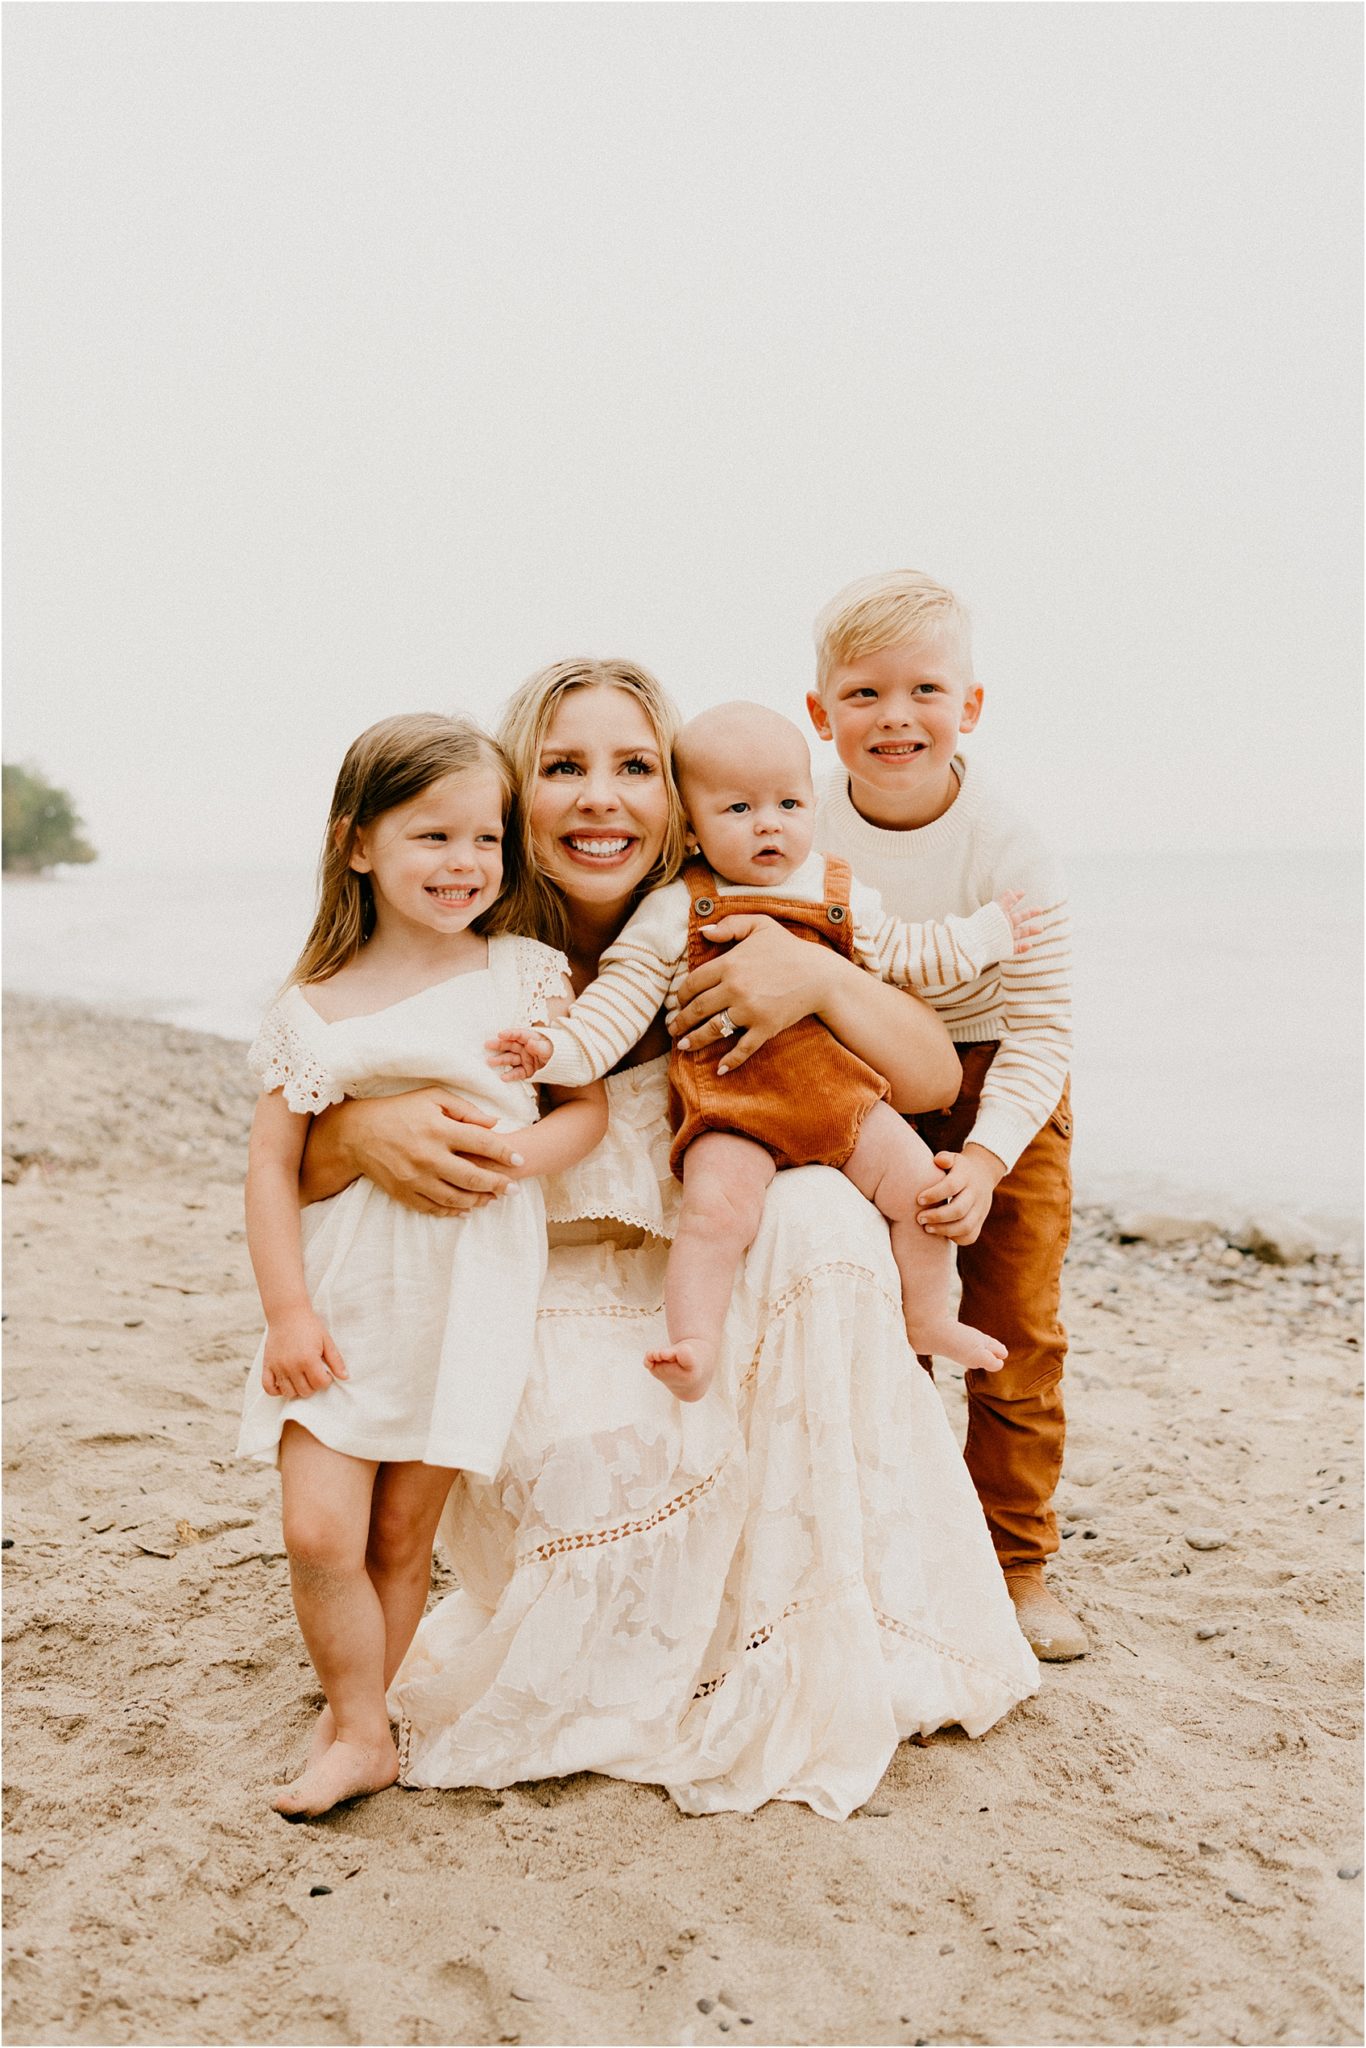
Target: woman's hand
[429, 1149]
[769, 979]
[765, 982]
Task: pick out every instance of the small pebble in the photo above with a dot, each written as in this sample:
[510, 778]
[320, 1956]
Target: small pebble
[1089, 1535]
[1206, 1539]
[1238, 1898]
[134, 1323]
[319, 1891]
[1208, 1633]
[1208, 1848]
[6, 1543]
[1350, 1870]
[946, 1948]
[706, 2004]
[876, 1812]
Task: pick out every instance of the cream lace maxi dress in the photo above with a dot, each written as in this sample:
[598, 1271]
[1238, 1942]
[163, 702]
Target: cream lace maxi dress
[749, 1597]
[434, 1315]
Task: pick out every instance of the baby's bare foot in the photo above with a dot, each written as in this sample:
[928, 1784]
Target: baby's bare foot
[348, 1770]
[960, 1342]
[685, 1368]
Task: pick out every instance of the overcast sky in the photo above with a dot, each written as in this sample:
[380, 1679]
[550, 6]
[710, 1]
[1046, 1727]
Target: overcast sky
[363, 358]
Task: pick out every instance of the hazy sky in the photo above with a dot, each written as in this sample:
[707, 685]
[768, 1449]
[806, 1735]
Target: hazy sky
[363, 358]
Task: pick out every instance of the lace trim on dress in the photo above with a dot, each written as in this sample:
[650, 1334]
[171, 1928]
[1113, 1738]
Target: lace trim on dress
[756, 1639]
[591, 1539]
[613, 1309]
[541, 975]
[777, 1305]
[935, 1643]
[280, 1058]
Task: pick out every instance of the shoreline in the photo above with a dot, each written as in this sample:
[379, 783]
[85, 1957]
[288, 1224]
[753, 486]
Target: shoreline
[1163, 1846]
[1149, 1210]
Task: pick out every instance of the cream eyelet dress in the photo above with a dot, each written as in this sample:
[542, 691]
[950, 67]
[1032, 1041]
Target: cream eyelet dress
[753, 1596]
[433, 1315]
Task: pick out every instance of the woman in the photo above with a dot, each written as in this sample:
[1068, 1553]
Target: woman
[756, 1595]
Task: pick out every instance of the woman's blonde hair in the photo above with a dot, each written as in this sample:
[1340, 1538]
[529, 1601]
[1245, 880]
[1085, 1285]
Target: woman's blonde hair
[533, 903]
[390, 764]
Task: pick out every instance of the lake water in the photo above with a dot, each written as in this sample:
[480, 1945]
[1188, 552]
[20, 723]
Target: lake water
[1218, 1058]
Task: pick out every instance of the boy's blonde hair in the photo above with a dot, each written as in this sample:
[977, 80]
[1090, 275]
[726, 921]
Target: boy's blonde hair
[532, 903]
[885, 611]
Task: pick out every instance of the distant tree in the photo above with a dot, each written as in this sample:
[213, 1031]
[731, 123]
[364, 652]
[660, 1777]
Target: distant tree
[41, 829]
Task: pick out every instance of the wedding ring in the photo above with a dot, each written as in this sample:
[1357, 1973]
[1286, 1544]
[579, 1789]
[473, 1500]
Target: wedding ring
[725, 1024]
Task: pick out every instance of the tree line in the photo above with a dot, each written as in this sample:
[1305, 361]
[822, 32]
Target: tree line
[41, 828]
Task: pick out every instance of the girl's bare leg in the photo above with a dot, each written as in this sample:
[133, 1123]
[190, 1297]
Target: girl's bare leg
[891, 1164]
[725, 1178]
[326, 1519]
[405, 1508]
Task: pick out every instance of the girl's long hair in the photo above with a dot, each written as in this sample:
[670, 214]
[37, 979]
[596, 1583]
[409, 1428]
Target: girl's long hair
[532, 903]
[390, 764]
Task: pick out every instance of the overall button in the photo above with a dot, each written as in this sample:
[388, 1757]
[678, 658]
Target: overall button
[836, 913]
[705, 906]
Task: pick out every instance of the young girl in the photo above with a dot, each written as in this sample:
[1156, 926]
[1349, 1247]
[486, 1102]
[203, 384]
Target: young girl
[803, 1098]
[397, 1344]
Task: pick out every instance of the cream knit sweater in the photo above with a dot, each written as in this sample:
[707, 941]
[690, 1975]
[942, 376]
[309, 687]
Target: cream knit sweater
[978, 848]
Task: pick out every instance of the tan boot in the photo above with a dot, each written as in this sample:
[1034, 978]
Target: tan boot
[1052, 1633]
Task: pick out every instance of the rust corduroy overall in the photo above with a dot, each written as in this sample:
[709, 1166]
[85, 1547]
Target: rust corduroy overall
[803, 1095]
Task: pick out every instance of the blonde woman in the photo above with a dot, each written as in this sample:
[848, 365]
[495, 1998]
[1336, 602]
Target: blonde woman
[752, 1597]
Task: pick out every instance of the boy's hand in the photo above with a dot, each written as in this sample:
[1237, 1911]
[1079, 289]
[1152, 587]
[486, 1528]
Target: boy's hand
[519, 1055]
[301, 1358]
[957, 1206]
[1022, 922]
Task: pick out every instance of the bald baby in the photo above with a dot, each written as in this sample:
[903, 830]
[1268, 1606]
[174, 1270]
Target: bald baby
[744, 773]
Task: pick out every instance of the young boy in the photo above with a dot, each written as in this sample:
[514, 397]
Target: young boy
[918, 822]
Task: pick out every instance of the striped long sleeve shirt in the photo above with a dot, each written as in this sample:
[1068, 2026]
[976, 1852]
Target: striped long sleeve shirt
[978, 848]
[641, 969]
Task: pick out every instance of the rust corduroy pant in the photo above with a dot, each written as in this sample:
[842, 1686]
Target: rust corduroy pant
[1012, 1280]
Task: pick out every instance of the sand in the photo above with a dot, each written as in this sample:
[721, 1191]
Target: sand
[1163, 1846]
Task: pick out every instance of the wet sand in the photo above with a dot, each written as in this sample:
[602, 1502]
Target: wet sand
[1163, 1846]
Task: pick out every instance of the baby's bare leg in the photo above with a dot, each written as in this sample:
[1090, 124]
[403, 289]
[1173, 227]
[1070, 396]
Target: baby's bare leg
[724, 1181]
[891, 1164]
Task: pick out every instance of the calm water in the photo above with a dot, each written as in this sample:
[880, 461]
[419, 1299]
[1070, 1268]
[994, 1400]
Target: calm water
[1218, 1062]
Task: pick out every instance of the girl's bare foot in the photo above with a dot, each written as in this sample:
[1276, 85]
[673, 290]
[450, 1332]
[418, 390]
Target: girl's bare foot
[324, 1735]
[686, 1368]
[960, 1342]
[348, 1770]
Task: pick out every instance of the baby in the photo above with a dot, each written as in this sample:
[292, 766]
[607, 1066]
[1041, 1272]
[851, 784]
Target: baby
[803, 1098]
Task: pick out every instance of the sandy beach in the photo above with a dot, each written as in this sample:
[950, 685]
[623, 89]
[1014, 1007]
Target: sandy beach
[1163, 1846]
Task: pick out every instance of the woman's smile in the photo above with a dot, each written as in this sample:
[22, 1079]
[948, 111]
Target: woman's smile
[602, 849]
